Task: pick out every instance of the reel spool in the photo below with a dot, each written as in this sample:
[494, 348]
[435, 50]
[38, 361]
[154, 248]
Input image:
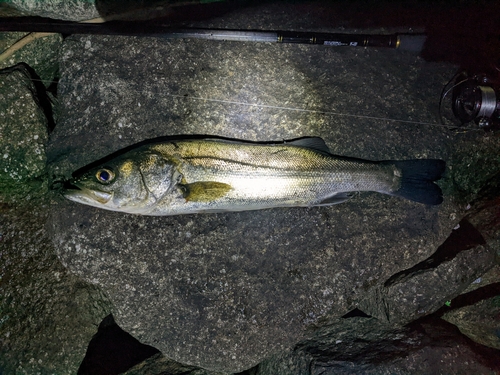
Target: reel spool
[476, 99]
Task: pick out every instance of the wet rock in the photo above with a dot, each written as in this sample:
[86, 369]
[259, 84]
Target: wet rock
[478, 320]
[24, 129]
[476, 311]
[437, 348]
[82, 10]
[485, 211]
[47, 315]
[355, 338]
[475, 153]
[158, 365]
[364, 345]
[295, 362]
[113, 351]
[225, 291]
[41, 54]
[248, 284]
[76, 10]
[424, 288]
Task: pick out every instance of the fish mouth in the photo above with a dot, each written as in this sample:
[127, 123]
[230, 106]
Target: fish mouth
[77, 193]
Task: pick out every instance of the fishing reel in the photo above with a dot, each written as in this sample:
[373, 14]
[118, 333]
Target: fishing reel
[475, 99]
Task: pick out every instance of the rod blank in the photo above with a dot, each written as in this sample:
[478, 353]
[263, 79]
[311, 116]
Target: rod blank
[409, 42]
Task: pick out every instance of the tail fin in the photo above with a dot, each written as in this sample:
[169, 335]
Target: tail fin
[417, 181]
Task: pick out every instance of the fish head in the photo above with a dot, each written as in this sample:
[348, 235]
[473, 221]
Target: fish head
[130, 183]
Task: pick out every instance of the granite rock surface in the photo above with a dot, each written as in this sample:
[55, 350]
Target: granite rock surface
[224, 291]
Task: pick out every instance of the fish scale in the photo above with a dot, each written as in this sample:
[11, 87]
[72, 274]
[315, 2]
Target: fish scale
[275, 174]
[214, 175]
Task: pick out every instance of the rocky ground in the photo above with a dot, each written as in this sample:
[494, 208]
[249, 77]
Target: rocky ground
[376, 285]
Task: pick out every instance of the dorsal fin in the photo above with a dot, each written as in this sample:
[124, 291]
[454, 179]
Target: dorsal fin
[313, 143]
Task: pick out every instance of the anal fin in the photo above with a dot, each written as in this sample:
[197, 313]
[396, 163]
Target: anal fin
[334, 199]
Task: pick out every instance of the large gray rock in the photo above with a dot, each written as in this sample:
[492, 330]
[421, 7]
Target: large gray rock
[62, 9]
[364, 345]
[82, 10]
[47, 314]
[424, 288]
[225, 291]
[158, 364]
[475, 312]
[41, 54]
[23, 129]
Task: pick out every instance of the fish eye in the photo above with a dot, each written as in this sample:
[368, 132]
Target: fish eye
[105, 175]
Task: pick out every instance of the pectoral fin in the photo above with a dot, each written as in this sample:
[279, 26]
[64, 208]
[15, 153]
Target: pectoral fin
[204, 191]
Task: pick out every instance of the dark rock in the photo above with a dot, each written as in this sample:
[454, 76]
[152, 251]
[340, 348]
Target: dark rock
[159, 365]
[485, 211]
[47, 315]
[225, 291]
[476, 311]
[23, 127]
[113, 351]
[476, 314]
[295, 362]
[41, 53]
[424, 288]
[100, 10]
[368, 346]
[429, 347]
[77, 10]
[362, 344]
[328, 290]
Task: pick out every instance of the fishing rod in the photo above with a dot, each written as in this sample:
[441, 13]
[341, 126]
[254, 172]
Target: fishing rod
[407, 42]
[475, 98]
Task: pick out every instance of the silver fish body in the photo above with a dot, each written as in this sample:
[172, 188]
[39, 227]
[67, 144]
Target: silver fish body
[215, 175]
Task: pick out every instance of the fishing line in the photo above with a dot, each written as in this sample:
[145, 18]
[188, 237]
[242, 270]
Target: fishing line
[408, 42]
[304, 110]
[446, 90]
[310, 110]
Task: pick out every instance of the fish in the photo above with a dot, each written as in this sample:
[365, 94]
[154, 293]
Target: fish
[205, 175]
